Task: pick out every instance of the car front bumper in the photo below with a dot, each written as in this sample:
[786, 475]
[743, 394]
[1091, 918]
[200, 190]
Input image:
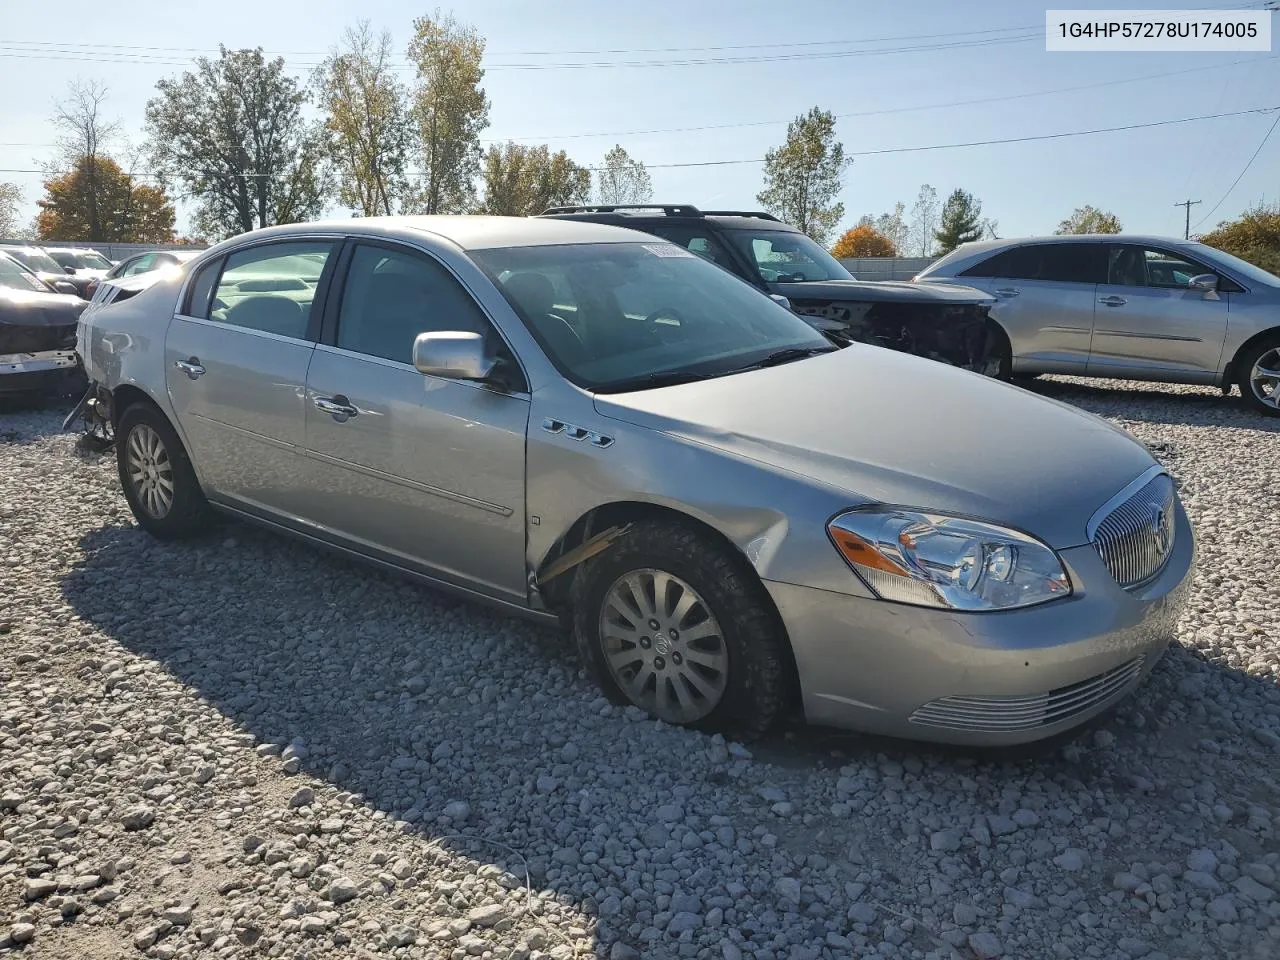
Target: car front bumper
[984, 679]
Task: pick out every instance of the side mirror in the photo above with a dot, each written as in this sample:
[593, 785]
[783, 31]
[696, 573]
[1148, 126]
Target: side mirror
[780, 300]
[453, 355]
[1207, 282]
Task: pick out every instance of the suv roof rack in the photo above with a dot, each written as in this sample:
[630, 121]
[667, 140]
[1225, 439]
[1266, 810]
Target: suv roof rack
[760, 214]
[669, 209]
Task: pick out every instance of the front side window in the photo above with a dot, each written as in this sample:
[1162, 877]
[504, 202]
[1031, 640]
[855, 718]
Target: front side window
[67, 259]
[1147, 267]
[16, 278]
[626, 316]
[391, 296]
[785, 256]
[271, 288]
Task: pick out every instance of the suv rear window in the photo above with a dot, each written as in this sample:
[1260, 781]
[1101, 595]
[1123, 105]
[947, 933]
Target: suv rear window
[1063, 262]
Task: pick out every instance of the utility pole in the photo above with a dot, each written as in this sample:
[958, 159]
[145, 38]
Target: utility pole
[1186, 234]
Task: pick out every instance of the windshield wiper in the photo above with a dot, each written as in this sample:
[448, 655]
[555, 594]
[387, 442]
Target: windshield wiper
[787, 355]
[664, 378]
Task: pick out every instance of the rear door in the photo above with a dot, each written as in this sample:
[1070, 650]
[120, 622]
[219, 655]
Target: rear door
[236, 358]
[1045, 296]
[425, 472]
[1150, 324]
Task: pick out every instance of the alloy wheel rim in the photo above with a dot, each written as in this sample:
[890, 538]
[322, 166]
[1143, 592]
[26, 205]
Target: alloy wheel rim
[1265, 378]
[150, 471]
[663, 646]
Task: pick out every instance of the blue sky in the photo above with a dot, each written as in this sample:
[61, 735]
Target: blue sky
[1027, 187]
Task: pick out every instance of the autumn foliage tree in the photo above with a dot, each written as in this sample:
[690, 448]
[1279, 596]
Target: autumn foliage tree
[863, 241]
[97, 201]
[1255, 237]
[520, 180]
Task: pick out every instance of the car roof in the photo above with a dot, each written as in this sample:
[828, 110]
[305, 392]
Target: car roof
[470, 232]
[981, 246]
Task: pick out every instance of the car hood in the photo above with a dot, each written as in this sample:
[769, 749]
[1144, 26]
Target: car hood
[32, 321]
[883, 291]
[889, 427]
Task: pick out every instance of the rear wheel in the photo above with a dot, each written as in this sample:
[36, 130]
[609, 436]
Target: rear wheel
[1259, 377]
[156, 474]
[668, 620]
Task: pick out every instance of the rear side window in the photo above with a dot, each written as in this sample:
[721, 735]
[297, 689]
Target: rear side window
[271, 288]
[1062, 262]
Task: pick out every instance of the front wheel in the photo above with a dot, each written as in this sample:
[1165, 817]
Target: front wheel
[158, 481]
[1259, 377]
[670, 621]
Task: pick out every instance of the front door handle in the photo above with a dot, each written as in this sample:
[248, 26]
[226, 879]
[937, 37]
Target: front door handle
[1113, 301]
[191, 367]
[338, 407]
[1007, 292]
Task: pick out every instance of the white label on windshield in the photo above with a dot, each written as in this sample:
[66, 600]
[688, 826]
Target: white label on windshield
[667, 250]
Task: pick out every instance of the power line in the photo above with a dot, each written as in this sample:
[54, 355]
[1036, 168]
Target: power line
[1236, 181]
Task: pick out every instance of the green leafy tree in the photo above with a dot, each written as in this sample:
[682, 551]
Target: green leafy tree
[622, 179]
[1254, 236]
[1089, 219]
[520, 181]
[961, 221]
[367, 133]
[802, 178]
[449, 108]
[97, 201]
[234, 134]
[10, 207]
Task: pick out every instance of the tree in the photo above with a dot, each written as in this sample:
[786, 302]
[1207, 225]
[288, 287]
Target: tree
[449, 108]
[521, 181]
[1254, 236]
[1089, 219]
[961, 221]
[10, 203]
[892, 226]
[97, 201]
[366, 122]
[924, 220]
[233, 133]
[84, 134]
[622, 179]
[802, 178]
[863, 241]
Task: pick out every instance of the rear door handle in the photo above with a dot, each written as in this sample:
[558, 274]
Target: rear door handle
[191, 367]
[1007, 292]
[1113, 301]
[338, 407]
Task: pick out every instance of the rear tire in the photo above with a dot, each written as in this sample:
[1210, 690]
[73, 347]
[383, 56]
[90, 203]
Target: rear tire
[718, 659]
[156, 475]
[1260, 392]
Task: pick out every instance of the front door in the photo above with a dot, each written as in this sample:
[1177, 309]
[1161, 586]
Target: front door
[236, 358]
[425, 472]
[1149, 324]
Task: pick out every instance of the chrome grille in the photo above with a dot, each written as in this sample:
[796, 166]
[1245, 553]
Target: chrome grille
[1134, 536]
[1011, 714]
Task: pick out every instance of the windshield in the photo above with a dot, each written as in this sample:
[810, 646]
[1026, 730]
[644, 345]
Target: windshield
[92, 260]
[14, 277]
[34, 259]
[1247, 270]
[782, 256]
[627, 316]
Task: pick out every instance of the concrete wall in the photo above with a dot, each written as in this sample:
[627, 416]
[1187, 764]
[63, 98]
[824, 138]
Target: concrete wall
[886, 268]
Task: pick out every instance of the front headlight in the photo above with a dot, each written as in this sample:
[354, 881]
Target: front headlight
[934, 560]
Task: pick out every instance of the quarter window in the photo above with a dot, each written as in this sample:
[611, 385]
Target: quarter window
[391, 296]
[271, 288]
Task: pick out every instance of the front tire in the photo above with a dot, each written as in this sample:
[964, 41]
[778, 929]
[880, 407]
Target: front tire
[1259, 376]
[156, 474]
[672, 622]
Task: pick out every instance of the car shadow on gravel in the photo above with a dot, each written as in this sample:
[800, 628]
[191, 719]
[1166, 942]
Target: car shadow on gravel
[416, 702]
[1154, 402]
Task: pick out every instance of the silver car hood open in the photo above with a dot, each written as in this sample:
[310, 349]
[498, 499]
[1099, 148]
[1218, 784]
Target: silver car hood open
[887, 426]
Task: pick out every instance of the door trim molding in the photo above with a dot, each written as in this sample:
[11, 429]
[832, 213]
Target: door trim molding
[1146, 336]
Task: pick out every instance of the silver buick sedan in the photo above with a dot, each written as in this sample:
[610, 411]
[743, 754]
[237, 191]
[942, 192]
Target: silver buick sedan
[590, 425]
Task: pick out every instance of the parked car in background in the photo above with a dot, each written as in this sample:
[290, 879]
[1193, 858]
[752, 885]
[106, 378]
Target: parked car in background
[947, 325]
[84, 268]
[42, 265]
[145, 262]
[37, 333]
[1129, 307]
[593, 426]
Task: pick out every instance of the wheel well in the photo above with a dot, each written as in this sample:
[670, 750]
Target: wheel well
[555, 594]
[1230, 373]
[124, 397]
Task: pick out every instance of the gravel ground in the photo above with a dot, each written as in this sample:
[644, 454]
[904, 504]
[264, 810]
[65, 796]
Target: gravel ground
[245, 748]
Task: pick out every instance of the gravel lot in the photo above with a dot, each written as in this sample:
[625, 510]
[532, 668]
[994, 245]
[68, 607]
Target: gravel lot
[243, 747]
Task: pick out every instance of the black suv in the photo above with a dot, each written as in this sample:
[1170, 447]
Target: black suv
[942, 322]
